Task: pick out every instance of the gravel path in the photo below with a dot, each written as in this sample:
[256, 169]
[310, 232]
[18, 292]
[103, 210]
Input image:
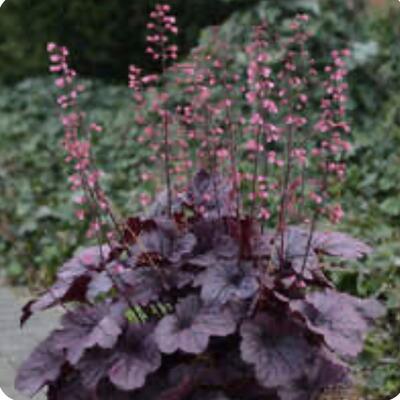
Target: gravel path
[16, 344]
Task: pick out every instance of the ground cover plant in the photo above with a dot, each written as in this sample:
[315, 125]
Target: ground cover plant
[220, 290]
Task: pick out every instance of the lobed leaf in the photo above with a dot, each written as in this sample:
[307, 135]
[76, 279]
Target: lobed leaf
[136, 356]
[72, 281]
[162, 239]
[321, 373]
[341, 319]
[70, 388]
[189, 329]
[86, 328]
[341, 245]
[276, 348]
[41, 368]
[295, 253]
[142, 285]
[225, 282]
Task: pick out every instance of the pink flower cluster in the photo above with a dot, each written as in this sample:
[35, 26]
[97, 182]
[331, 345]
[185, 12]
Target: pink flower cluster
[65, 75]
[89, 196]
[281, 158]
[160, 28]
[332, 126]
[289, 155]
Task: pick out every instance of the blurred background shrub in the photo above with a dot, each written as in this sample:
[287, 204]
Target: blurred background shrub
[106, 35]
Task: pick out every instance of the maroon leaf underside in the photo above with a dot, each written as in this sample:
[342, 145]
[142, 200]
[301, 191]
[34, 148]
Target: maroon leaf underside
[72, 281]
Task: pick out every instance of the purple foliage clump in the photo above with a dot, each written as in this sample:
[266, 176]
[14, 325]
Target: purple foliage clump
[229, 313]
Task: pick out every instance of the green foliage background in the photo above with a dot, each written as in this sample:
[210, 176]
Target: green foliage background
[37, 230]
[106, 35]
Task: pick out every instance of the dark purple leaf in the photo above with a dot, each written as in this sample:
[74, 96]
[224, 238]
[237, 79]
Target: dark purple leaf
[88, 327]
[321, 373]
[276, 348]
[107, 391]
[41, 368]
[181, 390]
[203, 260]
[206, 230]
[370, 309]
[212, 194]
[100, 284]
[225, 246]
[208, 395]
[200, 372]
[191, 327]
[341, 319]
[225, 282]
[262, 245]
[136, 357]
[94, 366]
[182, 247]
[215, 239]
[72, 281]
[340, 245]
[163, 239]
[142, 285]
[69, 388]
[159, 208]
[298, 254]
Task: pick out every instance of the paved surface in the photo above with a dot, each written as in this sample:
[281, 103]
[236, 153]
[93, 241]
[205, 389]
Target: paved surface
[16, 344]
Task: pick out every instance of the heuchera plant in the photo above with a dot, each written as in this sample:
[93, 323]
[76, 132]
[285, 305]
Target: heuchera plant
[220, 290]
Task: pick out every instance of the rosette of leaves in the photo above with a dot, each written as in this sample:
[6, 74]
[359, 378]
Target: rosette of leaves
[201, 306]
